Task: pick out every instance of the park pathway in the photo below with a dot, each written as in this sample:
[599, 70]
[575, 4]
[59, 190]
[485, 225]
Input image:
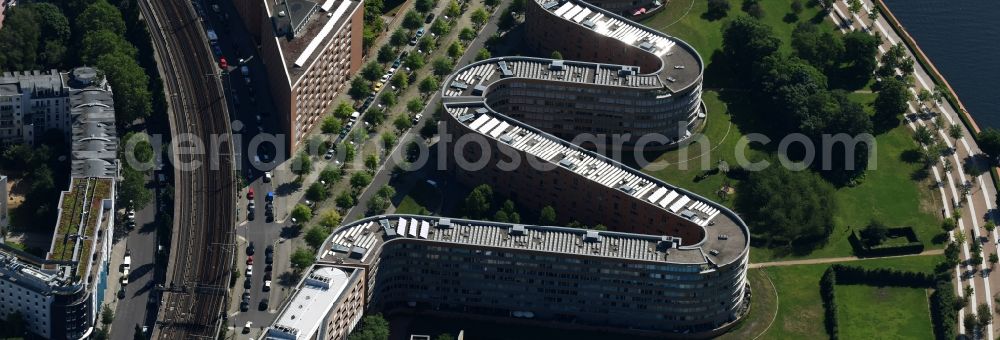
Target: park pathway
[838, 259]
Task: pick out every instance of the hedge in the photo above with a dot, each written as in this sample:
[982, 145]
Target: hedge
[942, 300]
[914, 246]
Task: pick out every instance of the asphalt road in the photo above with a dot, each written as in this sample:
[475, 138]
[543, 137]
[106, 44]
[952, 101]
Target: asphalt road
[384, 174]
[135, 309]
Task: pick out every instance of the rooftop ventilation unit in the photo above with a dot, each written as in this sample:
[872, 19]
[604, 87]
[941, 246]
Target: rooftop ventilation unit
[626, 71]
[592, 236]
[444, 223]
[556, 65]
[668, 242]
[518, 230]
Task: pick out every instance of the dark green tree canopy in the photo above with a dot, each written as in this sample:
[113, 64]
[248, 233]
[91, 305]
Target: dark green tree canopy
[101, 15]
[785, 206]
[745, 41]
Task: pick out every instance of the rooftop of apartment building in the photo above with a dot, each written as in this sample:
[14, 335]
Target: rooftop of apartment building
[681, 65]
[361, 241]
[83, 210]
[29, 275]
[304, 27]
[725, 234]
[39, 83]
[304, 313]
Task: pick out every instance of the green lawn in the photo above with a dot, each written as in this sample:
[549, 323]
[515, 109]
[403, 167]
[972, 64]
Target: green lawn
[891, 193]
[421, 198]
[800, 309]
[868, 312]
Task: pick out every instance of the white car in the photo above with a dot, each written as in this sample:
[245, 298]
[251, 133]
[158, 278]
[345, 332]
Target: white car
[249, 271]
[246, 328]
[267, 285]
[131, 214]
[267, 176]
[124, 280]
[385, 77]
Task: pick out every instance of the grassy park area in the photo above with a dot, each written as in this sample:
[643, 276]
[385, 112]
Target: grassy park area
[800, 309]
[895, 191]
[895, 312]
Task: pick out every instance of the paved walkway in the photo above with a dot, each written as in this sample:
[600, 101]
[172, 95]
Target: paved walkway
[838, 259]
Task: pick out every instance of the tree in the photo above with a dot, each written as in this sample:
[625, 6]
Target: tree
[874, 233]
[479, 17]
[360, 180]
[483, 54]
[302, 165]
[547, 216]
[360, 88]
[948, 224]
[317, 192]
[820, 48]
[509, 212]
[100, 15]
[302, 258]
[388, 98]
[717, 9]
[455, 50]
[753, 8]
[386, 191]
[412, 20]
[746, 41]
[414, 61]
[371, 162]
[440, 27]
[989, 226]
[388, 140]
[375, 116]
[400, 81]
[951, 253]
[955, 131]
[301, 213]
[787, 207]
[453, 10]
[130, 83]
[989, 142]
[19, 39]
[98, 43]
[891, 102]
[343, 110]
[316, 236]
[107, 315]
[331, 125]
[373, 327]
[478, 202]
[345, 200]
[414, 106]
[372, 71]
[386, 53]
[873, 15]
[133, 188]
[402, 123]
[398, 38]
[346, 151]
[425, 6]
[329, 219]
[430, 84]
[556, 55]
[860, 51]
[960, 237]
[985, 315]
[427, 43]
[854, 6]
[331, 175]
[443, 66]
[923, 135]
[994, 259]
[467, 34]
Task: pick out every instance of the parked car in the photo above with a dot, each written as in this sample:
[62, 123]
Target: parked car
[250, 248]
[250, 193]
[262, 305]
[267, 285]
[267, 176]
[249, 271]
[430, 18]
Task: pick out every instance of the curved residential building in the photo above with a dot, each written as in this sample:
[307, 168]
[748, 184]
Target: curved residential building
[631, 79]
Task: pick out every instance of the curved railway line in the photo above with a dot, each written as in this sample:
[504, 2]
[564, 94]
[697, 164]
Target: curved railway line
[201, 254]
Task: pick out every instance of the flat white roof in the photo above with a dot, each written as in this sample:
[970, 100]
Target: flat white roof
[308, 307]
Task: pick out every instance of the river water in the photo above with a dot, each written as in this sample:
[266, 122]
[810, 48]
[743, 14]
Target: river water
[962, 39]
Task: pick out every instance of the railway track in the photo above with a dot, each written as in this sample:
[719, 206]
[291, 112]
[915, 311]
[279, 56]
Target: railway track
[201, 255]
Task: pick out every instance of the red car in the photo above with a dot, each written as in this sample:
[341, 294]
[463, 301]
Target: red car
[250, 260]
[250, 194]
[223, 64]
